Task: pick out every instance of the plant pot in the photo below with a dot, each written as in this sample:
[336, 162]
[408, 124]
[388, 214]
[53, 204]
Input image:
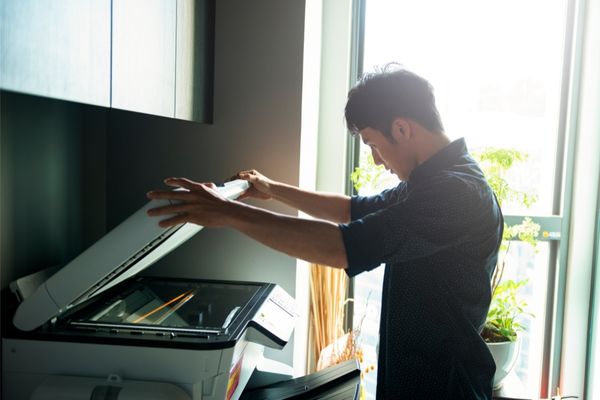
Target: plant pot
[505, 356]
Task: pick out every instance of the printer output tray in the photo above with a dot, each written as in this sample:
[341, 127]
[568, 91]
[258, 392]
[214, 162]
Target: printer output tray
[338, 382]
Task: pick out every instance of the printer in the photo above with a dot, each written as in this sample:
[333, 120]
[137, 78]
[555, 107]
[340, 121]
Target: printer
[94, 329]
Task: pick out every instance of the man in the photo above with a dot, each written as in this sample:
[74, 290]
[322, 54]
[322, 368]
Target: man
[438, 232]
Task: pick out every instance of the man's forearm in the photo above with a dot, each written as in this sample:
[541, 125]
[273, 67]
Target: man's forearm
[315, 241]
[328, 206]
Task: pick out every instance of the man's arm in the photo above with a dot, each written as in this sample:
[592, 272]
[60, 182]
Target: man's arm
[328, 206]
[316, 241]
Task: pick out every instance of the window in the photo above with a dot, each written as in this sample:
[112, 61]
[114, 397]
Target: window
[496, 68]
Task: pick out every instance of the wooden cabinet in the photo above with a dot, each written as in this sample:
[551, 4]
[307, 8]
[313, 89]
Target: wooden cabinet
[143, 56]
[58, 49]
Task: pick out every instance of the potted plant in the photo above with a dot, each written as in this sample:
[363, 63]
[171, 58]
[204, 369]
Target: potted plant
[502, 327]
[503, 322]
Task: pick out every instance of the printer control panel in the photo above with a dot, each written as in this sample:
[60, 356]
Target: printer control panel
[284, 300]
[278, 314]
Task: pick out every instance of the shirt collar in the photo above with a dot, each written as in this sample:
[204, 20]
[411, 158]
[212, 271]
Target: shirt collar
[444, 158]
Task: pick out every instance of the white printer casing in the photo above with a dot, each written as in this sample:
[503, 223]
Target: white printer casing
[95, 330]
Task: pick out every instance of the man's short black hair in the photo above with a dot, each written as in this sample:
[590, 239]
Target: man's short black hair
[389, 93]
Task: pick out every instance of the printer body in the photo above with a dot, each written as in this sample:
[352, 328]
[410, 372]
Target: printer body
[94, 329]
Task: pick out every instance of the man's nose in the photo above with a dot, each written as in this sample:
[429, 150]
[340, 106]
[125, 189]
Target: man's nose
[376, 159]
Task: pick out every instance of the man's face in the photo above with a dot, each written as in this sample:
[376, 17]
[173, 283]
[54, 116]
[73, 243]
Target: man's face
[394, 155]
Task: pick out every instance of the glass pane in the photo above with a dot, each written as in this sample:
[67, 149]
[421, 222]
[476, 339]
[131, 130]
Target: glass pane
[495, 67]
[526, 262]
[367, 286]
[367, 307]
[183, 304]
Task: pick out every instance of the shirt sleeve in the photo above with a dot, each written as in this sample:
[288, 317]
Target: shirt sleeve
[429, 220]
[364, 205]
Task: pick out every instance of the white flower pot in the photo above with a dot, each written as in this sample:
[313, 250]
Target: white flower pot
[505, 356]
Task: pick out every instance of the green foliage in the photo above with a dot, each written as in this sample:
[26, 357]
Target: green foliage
[506, 308]
[367, 175]
[495, 163]
[527, 231]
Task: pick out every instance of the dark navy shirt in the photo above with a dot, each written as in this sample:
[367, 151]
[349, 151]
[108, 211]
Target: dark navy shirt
[438, 234]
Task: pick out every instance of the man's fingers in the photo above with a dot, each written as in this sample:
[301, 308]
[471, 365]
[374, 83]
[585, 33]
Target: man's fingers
[249, 176]
[189, 184]
[167, 210]
[182, 182]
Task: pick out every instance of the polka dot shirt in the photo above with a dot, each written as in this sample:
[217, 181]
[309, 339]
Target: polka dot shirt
[438, 234]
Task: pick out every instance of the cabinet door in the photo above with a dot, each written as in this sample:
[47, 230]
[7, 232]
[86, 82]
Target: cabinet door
[143, 51]
[195, 60]
[58, 49]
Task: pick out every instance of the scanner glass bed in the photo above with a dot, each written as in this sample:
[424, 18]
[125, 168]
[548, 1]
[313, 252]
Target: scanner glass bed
[188, 306]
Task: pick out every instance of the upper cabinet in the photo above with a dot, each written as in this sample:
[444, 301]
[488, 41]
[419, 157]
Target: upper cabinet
[149, 56]
[194, 60]
[143, 59]
[58, 49]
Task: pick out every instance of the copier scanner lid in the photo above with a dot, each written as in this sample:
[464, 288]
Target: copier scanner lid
[129, 248]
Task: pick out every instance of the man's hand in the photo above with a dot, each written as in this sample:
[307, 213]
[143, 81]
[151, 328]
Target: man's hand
[199, 203]
[260, 185]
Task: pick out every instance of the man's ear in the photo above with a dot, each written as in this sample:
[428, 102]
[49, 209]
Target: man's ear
[401, 129]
